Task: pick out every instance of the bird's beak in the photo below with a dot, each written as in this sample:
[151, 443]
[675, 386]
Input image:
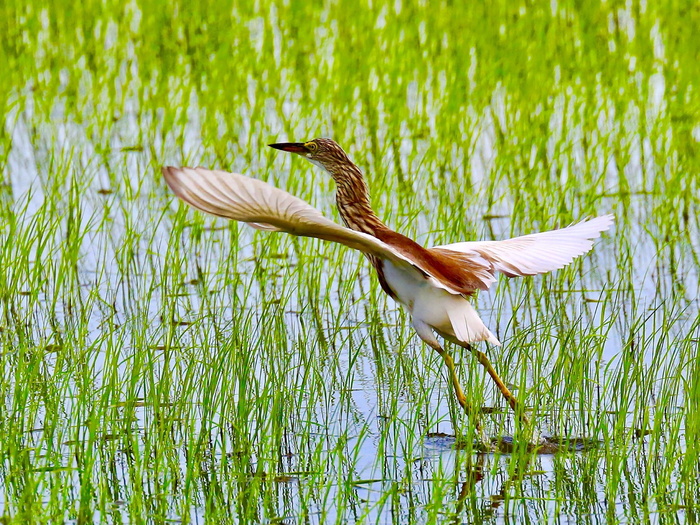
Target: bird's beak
[291, 147]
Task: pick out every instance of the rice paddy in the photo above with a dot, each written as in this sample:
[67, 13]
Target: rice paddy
[160, 365]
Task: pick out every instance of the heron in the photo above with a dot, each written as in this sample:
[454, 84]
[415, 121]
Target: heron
[435, 285]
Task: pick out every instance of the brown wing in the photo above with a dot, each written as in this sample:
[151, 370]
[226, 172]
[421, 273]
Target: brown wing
[263, 206]
[465, 273]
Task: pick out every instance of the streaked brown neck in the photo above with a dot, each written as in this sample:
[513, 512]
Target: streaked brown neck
[352, 198]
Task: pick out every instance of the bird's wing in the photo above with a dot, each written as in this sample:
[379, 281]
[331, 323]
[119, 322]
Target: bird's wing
[265, 207]
[538, 252]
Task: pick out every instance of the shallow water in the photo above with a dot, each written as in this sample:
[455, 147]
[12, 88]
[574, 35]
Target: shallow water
[163, 366]
[384, 456]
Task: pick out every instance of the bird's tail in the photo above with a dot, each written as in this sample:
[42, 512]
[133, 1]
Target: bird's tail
[467, 326]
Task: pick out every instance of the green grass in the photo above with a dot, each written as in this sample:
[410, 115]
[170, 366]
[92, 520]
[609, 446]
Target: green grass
[158, 364]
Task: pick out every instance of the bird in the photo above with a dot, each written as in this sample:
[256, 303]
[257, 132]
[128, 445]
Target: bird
[436, 285]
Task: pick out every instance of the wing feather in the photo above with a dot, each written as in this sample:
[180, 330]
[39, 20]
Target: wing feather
[538, 252]
[265, 207]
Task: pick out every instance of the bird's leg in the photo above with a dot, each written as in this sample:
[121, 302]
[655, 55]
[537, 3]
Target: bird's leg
[512, 401]
[459, 393]
[426, 334]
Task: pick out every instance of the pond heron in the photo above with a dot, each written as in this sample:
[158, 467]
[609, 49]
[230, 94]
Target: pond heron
[434, 284]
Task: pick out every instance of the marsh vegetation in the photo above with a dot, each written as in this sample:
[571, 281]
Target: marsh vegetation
[160, 365]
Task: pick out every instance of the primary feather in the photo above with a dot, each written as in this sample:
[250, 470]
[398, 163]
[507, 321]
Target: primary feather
[264, 207]
[538, 252]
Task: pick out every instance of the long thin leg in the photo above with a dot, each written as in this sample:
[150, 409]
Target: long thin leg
[512, 401]
[426, 334]
[459, 393]
[461, 398]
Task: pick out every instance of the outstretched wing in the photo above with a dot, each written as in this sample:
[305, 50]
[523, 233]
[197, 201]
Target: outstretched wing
[265, 207]
[538, 252]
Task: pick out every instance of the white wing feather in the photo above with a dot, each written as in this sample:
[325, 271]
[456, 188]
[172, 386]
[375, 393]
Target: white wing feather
[265, 207]
[538, 252]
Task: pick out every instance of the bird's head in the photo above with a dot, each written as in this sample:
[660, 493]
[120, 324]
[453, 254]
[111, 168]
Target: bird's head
[325, 153]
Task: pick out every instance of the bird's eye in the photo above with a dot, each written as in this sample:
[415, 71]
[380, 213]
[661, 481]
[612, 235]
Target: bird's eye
[311, 146]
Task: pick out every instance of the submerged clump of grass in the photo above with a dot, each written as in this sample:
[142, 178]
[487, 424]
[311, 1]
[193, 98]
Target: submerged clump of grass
[164, 365]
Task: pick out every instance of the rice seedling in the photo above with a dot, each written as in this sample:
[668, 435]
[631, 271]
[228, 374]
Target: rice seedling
[161, 365]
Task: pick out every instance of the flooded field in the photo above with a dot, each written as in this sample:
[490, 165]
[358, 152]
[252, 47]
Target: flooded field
[160, 365]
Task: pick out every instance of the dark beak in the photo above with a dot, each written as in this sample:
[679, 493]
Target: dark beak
[291, 147]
